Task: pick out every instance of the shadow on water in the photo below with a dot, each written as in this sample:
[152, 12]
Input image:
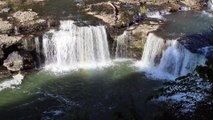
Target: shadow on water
[113, 93]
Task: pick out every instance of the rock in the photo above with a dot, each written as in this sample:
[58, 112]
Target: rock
[1, 54]
[6, 27]
[14, 62]
[3, 4]
[33, 26]
[5, 10]
[28, 60]
[4, 73]
[6, 41]
[103, 11]
[195, 4]
[25, 16]
[29, 22]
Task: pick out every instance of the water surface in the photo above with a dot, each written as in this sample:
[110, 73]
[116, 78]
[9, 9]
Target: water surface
[116, 92]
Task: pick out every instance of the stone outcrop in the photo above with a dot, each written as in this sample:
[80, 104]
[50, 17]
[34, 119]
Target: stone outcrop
[25, 16]
[103, 11]
[5, 26]
[17, 61]
[6, 41]
[28, 22]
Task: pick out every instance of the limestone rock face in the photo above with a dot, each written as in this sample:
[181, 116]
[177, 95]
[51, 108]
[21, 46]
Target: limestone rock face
[24, 16]
[5, 26]
[14, 62]
[103, 11]
[6, 41]
[29, 21]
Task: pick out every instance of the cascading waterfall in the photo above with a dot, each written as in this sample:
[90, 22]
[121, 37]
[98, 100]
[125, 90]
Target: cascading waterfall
[122, 44]
[74, 47]
[168, 59]
[210, 4]
[38, 50]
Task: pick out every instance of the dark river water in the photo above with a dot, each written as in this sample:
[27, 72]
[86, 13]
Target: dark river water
[113, 93]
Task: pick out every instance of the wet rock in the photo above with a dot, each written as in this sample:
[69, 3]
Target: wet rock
[4, 73]
[28, 60]
[199, 43]
[5, 26]
[14, 62]
[6, 41]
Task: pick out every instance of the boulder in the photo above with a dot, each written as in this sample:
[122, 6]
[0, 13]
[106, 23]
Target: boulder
[6, 41]
[25, 16]
[6, 27]
[29, 21]
[14, 62]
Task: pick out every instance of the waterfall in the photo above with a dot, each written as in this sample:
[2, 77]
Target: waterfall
[37, 45]
[38, 51]
[168, 59]
[16, 30]
[74, 47]
[122, 44]
[210, 4]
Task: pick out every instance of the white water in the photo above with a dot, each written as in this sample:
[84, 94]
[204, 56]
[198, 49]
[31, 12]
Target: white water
[122, 45]
[12, 83]
[38, 51]
[184, 8]
[210, 4]
[37, 45]
[167, 59]
[157, 14]
[74, 47]
[16, 30]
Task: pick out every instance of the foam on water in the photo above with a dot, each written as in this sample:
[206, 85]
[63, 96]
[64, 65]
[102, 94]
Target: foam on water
[12, 83]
